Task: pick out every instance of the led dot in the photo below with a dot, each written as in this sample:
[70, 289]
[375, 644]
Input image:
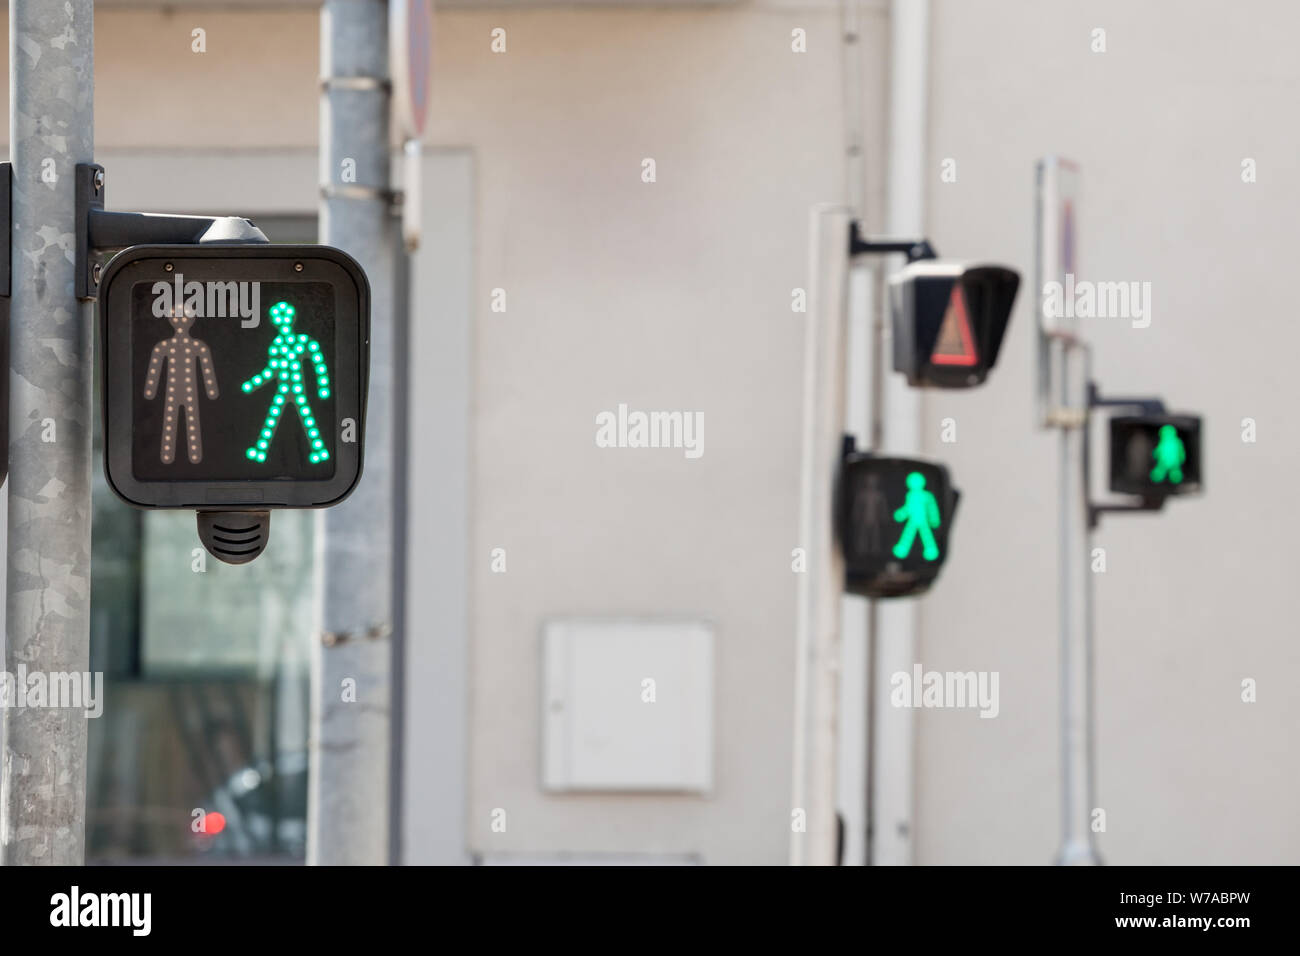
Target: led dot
[297, 389]
[251, 453]
[324, 393]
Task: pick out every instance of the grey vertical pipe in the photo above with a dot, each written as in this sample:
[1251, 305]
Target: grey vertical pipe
[821, 587]
[348, 803]
[401, 519]
[894, 630]
[51, 124]
[1077, 760]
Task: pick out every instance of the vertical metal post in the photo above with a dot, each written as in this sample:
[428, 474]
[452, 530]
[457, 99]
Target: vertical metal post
[821, 586]
[856, 724]
[876, 444]
[896, 415]
[401, 522]
[348, 803]
[51, 124]
[1077, 761]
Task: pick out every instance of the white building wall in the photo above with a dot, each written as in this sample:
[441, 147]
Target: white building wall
[1194, 600]
[666, 296]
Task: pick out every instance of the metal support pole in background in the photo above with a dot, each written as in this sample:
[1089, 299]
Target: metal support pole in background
[1063, 399]
[1077, 751]
[349, 800]
[51, 129]
[853, 774]
[821, 586]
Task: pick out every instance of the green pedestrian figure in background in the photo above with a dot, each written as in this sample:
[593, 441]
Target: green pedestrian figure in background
[1169, 455]
[921, 513]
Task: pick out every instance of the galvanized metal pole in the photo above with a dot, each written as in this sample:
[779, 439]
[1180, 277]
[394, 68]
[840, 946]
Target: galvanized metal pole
[51, 129]
[349, 801]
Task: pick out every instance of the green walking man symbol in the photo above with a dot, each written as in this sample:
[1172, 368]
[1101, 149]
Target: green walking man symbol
[284, 365]
[1169, 455]
[920, 512]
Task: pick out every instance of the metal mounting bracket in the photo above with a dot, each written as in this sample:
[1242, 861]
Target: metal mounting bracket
[915, 249]
[99, 230]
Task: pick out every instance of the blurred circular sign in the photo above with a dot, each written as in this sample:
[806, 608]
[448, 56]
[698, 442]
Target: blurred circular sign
[410, 43]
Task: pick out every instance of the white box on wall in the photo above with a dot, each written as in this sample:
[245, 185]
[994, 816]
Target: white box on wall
[627, 705]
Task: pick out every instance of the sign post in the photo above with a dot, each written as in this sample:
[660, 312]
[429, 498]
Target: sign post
[410, 46]
[1062, 400]
[349, 787]
[51, 129]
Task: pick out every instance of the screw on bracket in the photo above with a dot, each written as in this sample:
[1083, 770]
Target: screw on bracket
[89, 194]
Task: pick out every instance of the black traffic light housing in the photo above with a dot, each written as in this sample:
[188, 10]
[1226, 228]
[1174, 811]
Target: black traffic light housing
[269, 344]
[893, 545]
[1152, 453]
[1155, 456]
[949, 320]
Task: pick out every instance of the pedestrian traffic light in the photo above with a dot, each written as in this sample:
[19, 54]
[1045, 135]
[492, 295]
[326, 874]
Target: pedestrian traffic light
[948, 321]
[1155, 456]
[234, 377]
[893, 517]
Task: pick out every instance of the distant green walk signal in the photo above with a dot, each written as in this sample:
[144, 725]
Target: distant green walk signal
[892, 518]
[1156, 455]
[1170, 454]
[920, 514]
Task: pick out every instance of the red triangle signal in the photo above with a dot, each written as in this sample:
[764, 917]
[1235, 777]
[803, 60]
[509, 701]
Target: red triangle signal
[955, 344]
